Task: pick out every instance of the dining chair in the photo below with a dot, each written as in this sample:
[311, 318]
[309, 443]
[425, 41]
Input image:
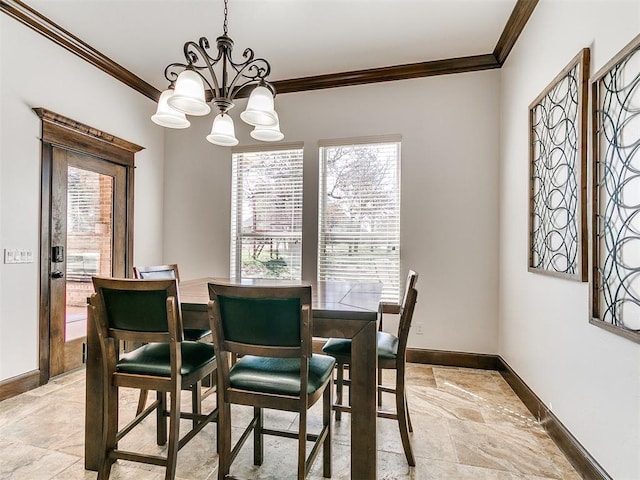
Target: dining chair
[147, 312]
[269, 327]
[170, 271]
[190, 334]
[392, 350]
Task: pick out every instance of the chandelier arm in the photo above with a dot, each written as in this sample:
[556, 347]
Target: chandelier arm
[172, 71]
[251, 72]
[204, 47]
[248, 56]
[195, 61]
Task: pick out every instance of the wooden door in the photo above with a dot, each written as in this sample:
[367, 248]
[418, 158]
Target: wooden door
[86, 229]
[88, 225]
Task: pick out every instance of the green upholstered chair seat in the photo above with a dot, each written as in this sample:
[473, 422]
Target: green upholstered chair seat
[195, 334]
[153, 359]
[279, 375]
[387, 346]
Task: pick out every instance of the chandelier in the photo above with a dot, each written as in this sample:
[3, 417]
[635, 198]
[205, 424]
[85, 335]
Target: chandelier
[186, 93]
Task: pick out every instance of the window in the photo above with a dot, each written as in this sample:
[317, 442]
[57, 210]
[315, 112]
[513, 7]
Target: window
[359, 212]
[266, 213]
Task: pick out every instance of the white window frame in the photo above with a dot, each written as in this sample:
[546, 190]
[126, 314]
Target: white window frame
[292, 232]
[373, 254]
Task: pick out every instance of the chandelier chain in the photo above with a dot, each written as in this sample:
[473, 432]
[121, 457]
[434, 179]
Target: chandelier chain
[226, 11]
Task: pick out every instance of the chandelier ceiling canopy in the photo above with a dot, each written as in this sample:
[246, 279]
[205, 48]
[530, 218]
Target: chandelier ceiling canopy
[186, 94]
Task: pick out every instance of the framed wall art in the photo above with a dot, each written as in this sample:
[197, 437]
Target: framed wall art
[558, 122]
[615, 279]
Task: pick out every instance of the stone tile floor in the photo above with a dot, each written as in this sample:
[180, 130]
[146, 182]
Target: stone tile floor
[468, 424]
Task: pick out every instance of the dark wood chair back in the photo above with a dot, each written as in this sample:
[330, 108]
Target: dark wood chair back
[406, 313]
[405, 325]
[157, 271]
[263, 321]
[412, 280]
[138, 310]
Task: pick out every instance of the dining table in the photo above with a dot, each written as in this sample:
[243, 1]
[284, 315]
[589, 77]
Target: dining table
[345, 309]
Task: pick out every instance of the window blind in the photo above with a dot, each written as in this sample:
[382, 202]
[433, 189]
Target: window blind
[359, 214]
[89, 223]
[266, 216]
[83, 200]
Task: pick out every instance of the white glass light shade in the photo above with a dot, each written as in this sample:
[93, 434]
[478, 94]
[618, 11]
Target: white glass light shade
[189, 94]
[166, 116]
[260, 108]
[223, 132]
[268, 134]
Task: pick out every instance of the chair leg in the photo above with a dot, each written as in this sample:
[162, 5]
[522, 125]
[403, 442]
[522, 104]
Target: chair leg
[174, 434]
[401, 407]
[161, 420]
[196, 400]
[348, 386]
[326, 420]
[406, 406]
[258, 444]
[302, 445]
[110, 430]
[339, 387]
[379, 383]
[224, 437]
[142, 401]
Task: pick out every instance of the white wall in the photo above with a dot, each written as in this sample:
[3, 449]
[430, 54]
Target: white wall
[464, 192]
[589, 376]
[37, 73]
[449, 192]
[1, 163]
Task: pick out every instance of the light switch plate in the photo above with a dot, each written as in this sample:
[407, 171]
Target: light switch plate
[18, 255]
[8, 256]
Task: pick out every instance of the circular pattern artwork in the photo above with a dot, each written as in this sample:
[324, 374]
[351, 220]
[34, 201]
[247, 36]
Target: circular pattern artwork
[617, 191]
[557, 129]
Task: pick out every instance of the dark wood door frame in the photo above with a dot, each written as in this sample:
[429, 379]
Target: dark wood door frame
[63, 133]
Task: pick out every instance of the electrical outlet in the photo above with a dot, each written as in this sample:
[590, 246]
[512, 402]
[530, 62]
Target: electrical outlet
[419, 330]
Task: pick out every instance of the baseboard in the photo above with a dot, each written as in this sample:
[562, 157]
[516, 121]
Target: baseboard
[453, 359]
[578, 456]
[22, 383]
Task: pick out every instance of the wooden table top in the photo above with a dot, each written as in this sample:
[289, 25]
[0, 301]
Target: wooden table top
[347, 300]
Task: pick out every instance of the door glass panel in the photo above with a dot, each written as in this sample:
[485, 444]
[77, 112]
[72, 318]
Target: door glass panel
[89, 242]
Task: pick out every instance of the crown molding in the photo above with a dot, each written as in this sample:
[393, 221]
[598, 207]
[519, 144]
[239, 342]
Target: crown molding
[514, 27]
[58, 35]
[388, 74]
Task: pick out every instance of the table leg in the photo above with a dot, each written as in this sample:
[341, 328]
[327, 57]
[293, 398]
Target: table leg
[363, 372]
[94, 399]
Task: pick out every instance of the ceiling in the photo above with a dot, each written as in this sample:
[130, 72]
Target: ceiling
[299, 38]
